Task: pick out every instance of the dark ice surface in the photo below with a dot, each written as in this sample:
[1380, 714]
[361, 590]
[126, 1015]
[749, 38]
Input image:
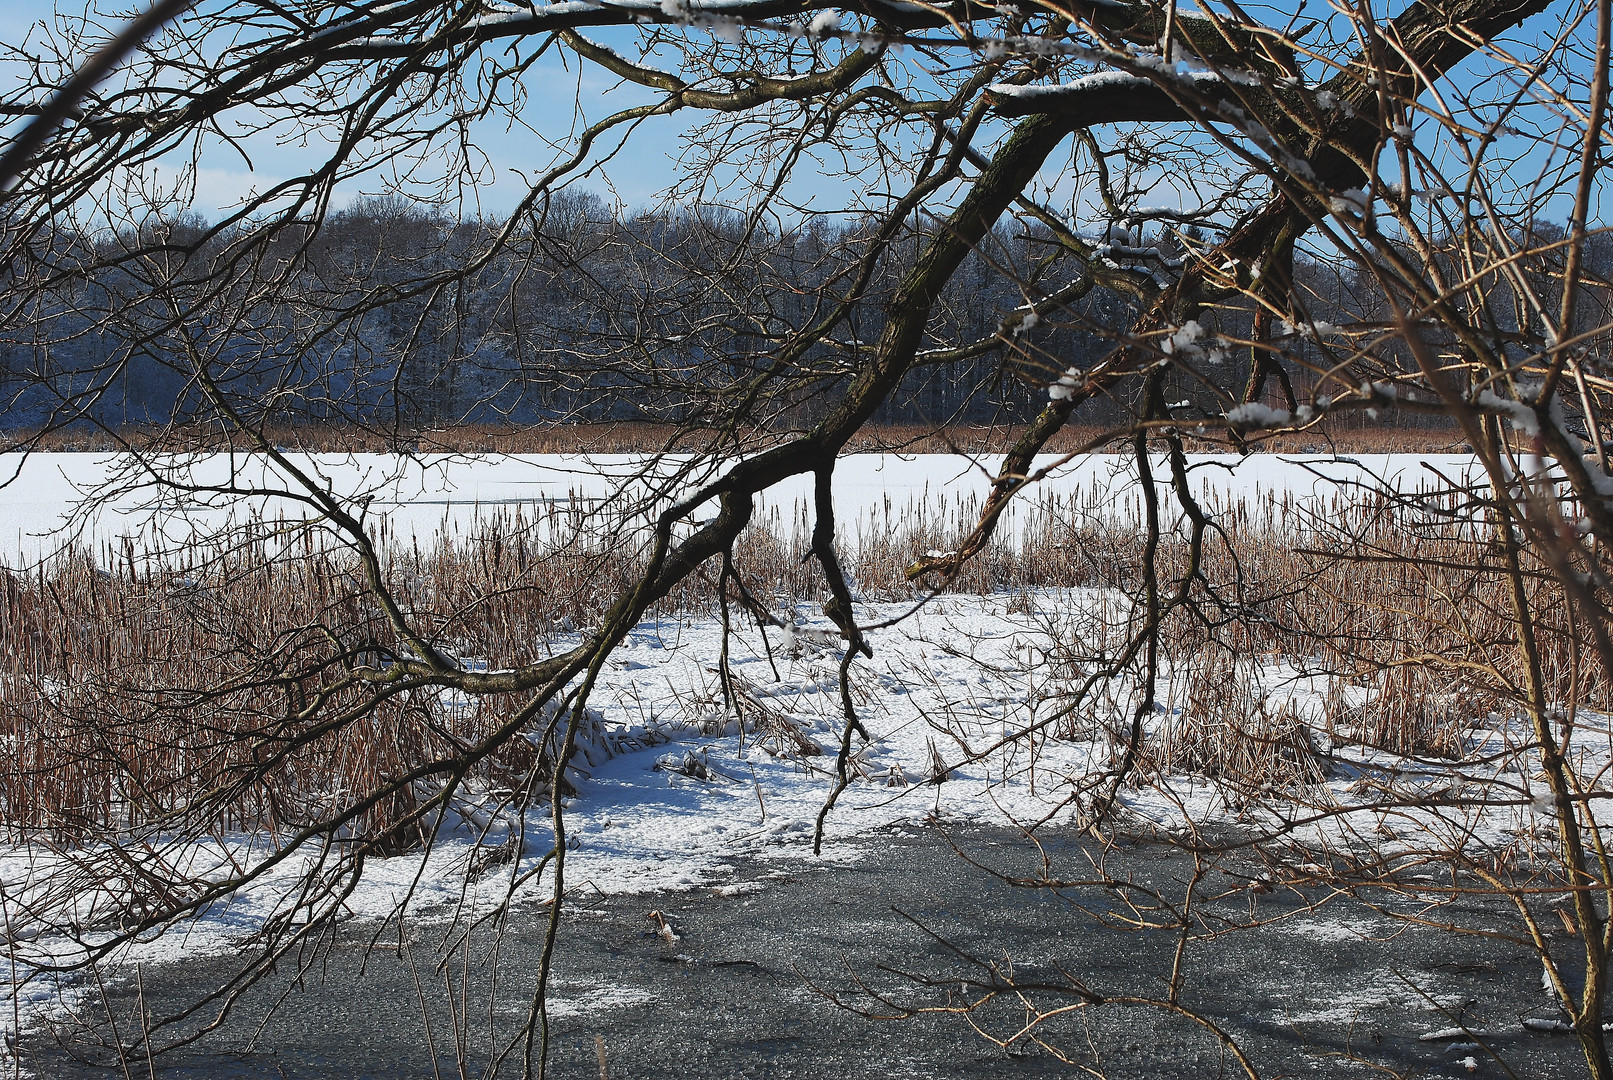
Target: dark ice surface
[775, 973]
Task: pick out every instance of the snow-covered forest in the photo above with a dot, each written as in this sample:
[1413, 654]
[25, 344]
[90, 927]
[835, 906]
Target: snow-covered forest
[557, 326]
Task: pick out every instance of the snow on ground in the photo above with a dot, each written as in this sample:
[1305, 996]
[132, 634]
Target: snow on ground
[961, 680]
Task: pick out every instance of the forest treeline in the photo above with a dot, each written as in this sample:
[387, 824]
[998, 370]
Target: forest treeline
[392, 314]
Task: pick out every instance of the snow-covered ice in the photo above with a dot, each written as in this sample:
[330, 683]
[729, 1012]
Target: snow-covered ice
[418, 498]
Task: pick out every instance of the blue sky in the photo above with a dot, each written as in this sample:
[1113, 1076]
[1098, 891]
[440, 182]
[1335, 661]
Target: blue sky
[635, 176]
[224, 176]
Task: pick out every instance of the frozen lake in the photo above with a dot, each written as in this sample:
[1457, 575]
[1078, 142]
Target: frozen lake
[414, 499]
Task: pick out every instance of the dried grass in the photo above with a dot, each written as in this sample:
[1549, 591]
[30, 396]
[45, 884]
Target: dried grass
[1229, 730]
[139, 687]
[1343, 435]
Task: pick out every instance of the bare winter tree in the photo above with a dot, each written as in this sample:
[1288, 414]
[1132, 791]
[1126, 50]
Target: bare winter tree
[1198, 225]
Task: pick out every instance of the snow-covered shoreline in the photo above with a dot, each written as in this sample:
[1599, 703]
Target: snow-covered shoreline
[965, 689]
[963, 680]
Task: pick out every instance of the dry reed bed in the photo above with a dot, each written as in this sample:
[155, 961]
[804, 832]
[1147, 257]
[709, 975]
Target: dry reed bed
[1401, 608]
[1344, 435]
[139, 691]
